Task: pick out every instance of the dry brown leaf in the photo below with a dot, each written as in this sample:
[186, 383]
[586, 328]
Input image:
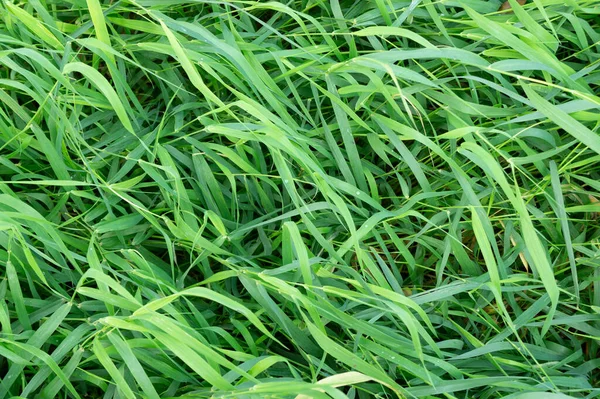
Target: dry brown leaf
[506, 5]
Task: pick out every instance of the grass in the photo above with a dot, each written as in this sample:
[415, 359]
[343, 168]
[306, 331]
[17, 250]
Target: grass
[309, 199]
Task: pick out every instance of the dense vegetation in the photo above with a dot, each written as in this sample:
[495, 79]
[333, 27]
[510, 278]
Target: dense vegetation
[305, 199]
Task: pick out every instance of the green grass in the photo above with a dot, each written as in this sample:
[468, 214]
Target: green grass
[309, 199]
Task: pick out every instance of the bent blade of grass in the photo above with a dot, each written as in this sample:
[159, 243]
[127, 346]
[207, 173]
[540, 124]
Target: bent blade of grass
[484, 160]
[104, 359]
[193, 360]
[47, 359]
[532, 26]
[293, 240]
[17, 296]
[564, 120]
[99, 21]
[531, 51]
[105, 88]
[52, 389]
[209, 294]
[492, 266]
[39, 338]
[12, 356]
[566, 232]
[488, 256]
[67, 345]
[35, 26]
[347, 357]
[340, 380]
[394, 31]
[189, 68]
[31, 261]
[134, 365]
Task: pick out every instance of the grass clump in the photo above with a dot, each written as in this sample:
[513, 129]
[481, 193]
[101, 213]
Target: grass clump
[309, 199]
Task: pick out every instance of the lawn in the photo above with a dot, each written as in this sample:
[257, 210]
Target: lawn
[302, 199]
